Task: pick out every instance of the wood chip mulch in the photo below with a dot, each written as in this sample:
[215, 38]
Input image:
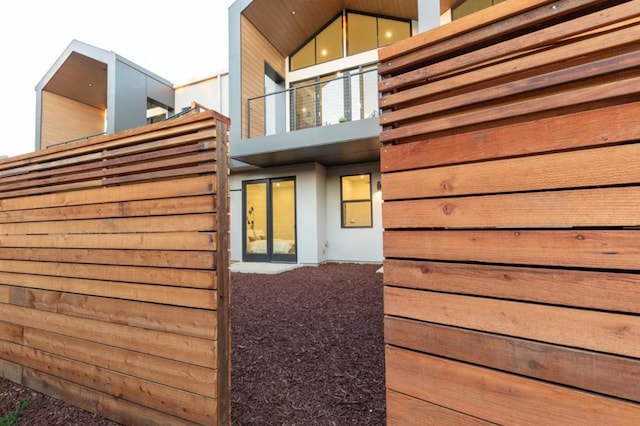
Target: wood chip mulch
[307, 349]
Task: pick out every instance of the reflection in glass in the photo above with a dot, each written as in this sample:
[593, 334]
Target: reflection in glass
[284, 217]
[332, 106]
[356, 201]
[329, 42]
[256, 226]
[361, 33]
[305, 105]
[390, 31]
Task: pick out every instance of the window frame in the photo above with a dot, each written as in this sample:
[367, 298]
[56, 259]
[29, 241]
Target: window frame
[344, 13]
[344, 203]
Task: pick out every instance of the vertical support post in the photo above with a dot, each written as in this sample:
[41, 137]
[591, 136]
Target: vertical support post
[428, 15]
[223, 275]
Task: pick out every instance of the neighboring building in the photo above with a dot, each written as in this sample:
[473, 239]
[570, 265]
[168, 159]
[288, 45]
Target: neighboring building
[302, 96]
[90, 91]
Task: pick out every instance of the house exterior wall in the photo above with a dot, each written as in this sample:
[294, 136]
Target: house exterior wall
[353, 244]
[310, 209]
[132, 88]
[256, 50]
[320, 237]
[212, 93]
[65, 119]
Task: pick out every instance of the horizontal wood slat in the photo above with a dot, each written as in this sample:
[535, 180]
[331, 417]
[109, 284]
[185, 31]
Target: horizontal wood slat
[152, 241]
[510, 179]
[160, 207]
[593, 128]
[190, 297]
[499, 397]
[407, 411]
[582, 248]
[607, 374]
[179, 320]
[113, 407]
[144, 275]
[152, 258]
[617, 165]
[111, 277]
[607, 291]
[607, 332]
[188, 186]
[562, 209]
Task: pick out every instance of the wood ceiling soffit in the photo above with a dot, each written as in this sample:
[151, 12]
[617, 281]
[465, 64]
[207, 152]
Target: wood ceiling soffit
[82, 79]
[271, 16]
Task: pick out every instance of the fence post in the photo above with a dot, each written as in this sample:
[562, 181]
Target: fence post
[223, 276]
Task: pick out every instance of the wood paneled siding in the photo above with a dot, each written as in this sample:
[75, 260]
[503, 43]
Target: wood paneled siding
[114, 272]
[256, 50]
[511, 171]
[64, 119]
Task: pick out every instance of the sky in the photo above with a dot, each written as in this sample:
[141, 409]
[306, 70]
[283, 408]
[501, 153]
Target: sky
[177, 40]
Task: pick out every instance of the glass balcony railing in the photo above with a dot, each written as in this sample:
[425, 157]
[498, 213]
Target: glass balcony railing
[342, 97]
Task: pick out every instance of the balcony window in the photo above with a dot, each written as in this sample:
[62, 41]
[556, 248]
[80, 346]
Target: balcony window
[391, 30]
[467, 7]
[361, 33]
[358, 32]
[329, 42]
[305, 57]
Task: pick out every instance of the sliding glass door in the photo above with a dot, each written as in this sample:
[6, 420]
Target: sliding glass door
[269, 231]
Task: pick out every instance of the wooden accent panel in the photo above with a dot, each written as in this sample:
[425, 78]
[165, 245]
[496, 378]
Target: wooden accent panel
[255, 51]
[510, 181]
[56, 124]
[113, 286]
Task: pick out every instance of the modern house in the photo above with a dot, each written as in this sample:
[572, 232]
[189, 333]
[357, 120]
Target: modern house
[90, 91]
[304, 110]
[302, 95]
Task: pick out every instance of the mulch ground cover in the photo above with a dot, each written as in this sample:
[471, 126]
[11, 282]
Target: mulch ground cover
[307, 349]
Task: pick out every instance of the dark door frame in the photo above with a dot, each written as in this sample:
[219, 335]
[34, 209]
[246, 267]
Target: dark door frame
[269, 256]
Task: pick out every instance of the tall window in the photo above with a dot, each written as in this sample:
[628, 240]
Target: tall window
[356, 201]
[360, 33]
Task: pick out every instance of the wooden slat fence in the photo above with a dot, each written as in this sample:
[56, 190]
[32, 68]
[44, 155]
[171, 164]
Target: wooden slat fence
[511, 185]
[114, 272]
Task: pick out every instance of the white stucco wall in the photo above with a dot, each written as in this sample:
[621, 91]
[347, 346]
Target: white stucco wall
[211, 92]
[356, 244]
[320, 237]
[310, 209]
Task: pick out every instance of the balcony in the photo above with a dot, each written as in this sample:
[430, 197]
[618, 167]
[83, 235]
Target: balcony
[331, 120]
[344, 97]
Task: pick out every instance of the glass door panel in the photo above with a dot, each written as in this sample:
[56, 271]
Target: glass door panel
[283, 205]
[256, 221]
[270, 221]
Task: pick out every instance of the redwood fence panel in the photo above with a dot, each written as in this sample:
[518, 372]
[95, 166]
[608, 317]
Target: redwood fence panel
[511, 186]
[114, 272]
